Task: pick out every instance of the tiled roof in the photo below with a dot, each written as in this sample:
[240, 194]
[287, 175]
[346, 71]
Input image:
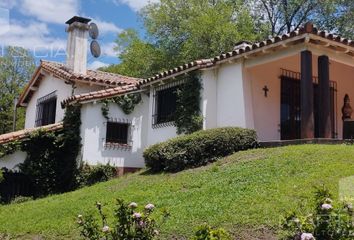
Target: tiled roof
[94, 77]
[308, 28]
[101, 94]
[19, 135]
[242, 50]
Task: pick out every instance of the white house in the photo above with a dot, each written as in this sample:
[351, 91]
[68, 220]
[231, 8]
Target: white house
[288, 87]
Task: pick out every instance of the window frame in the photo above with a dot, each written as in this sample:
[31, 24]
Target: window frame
[156, 118]
[113, 144]
[46, 109]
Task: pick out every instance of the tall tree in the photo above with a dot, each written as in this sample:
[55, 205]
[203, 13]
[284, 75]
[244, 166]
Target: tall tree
[16, 68]
[283, 16]
[178, 31]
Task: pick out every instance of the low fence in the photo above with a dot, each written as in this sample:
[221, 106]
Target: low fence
[14, 185]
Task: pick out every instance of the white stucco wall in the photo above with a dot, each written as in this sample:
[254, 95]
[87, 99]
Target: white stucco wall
[48, 85]
[209, 98]
[11, 161]
[93, 133]
[226, 97]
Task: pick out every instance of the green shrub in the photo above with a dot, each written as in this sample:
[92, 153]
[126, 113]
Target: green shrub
[205, 232]
[90, 175]
[329, 221]
[1, 176]
[198, 149]
[128, 224]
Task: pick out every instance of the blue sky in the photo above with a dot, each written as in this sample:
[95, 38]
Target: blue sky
[39, 25]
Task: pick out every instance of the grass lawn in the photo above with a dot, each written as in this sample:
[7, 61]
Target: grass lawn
[247, 191]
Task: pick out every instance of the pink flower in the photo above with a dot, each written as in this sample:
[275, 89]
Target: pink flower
[137, 215]
[307, 236]
[326, 206]
[105, 229]
[133, 205]
[149, 207]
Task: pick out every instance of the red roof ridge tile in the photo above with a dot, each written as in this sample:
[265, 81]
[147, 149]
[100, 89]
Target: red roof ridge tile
[21, 134]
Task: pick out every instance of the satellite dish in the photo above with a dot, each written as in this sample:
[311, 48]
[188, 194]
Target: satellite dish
[95, 49]
[93, 31]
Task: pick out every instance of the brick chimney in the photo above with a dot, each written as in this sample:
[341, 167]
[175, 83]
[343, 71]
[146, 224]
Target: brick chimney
[76, 49]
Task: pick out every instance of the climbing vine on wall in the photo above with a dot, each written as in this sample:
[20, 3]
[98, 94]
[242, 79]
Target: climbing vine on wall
[51, 162]
[126, 102]
[9, 148]
[188, 117]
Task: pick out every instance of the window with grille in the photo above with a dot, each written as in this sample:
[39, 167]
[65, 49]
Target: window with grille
[46, 109]
[117, 132]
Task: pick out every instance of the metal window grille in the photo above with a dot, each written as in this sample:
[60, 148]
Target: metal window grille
[165, 104]
[290, 122]
[46, 110]
[117, 132]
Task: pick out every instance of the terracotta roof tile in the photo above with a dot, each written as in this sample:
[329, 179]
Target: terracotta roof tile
[101, 94]
[60, 70]
[19, 135]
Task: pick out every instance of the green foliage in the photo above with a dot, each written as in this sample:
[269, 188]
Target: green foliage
[9, 148]
[129, 224]
[205, 232]
[51, 161]
[328, 222]
[1, 176]
[285, 16]
[16, 68]
[126, 102]
[179, 31]
[187, 115]
[90, 175]
[198, 149]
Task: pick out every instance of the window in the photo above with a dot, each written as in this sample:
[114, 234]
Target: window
[117, 132]
[165, 105]
[46, 109]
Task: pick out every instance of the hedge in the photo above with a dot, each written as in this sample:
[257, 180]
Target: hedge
[198, 149]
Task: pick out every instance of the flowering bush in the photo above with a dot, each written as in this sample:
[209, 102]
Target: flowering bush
[129, 223]
[328, 222]
[205, 232]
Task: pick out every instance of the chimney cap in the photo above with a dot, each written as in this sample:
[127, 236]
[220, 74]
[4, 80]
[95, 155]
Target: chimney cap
[78, 19]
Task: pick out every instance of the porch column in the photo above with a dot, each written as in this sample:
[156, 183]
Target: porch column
[324, 105]
[307, 116]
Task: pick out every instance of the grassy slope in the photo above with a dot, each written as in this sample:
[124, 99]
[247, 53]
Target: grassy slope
[248, 189]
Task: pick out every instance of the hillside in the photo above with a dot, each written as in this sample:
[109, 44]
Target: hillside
[248, 190]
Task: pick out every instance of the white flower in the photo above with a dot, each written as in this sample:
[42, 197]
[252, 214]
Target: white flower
[105, 229]
[79, 216]
[307, 236]
[296, 220]
[133, 205]
[149, 206]
[156, 232]
[137, 215]
[326, 206]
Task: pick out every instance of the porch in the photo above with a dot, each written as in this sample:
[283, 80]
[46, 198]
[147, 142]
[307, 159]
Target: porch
[302, 93]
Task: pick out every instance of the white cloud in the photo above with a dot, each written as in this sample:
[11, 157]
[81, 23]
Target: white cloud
[48, 10]
[108, 50]
[136, 5]
[106, 27]
[96, 64]
[35, 37]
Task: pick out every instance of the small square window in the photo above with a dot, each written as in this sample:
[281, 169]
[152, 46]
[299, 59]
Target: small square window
[117, 132]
